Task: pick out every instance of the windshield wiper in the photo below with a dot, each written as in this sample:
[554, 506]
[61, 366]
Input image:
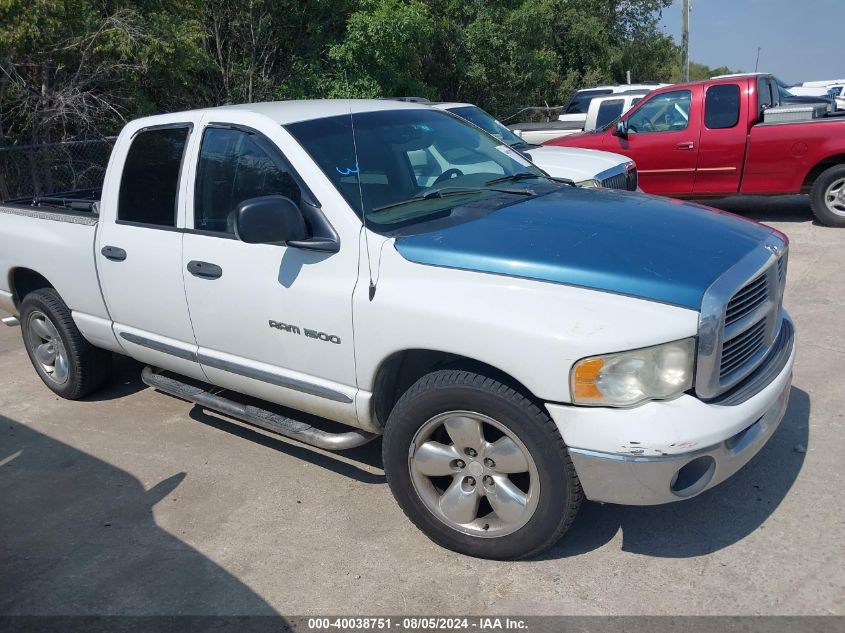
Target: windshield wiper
[445, 192]
[520, 175]
[437, 193]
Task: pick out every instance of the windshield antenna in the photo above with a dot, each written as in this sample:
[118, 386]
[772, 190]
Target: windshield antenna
[372, 290]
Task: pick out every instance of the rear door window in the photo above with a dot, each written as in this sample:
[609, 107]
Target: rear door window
[149, 184]
[721, 106]
[608, 111]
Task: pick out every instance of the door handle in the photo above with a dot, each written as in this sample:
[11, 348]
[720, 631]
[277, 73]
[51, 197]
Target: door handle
[687, 145]
[204, 270]
[113, 253]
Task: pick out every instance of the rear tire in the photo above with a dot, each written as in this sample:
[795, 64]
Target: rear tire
[509, 495]
[68, 364]
[827, 197]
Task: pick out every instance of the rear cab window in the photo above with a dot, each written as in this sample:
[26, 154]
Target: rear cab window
[149, 184]
[766, 98]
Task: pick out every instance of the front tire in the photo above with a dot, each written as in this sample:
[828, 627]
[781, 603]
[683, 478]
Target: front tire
[68, 364]
[827, 197]
[478, 467]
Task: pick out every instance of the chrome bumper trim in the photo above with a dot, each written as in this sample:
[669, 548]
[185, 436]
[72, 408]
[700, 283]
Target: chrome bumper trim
[648, 480]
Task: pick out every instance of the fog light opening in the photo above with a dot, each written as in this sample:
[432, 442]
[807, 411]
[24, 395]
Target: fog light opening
[693, 477]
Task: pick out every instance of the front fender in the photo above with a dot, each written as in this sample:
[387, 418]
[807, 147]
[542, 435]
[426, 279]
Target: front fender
[531, 330]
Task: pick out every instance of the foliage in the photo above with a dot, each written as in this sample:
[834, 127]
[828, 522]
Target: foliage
[698, 72]
[77, 67]
[71, 68]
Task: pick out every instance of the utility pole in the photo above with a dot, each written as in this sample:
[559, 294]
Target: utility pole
[757, 63]
[685, 41]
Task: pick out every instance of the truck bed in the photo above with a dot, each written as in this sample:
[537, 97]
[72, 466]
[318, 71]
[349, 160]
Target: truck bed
[58, 243]
[780, 155]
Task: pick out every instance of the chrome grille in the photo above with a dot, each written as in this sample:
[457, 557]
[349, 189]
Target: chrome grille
[617, 181]
[740, 319]
[627, 180]
[747, 300]
[750, 323]
[633, 178]
[741, 348]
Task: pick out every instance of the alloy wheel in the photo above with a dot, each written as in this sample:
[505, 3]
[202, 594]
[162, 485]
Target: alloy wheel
[474, 474]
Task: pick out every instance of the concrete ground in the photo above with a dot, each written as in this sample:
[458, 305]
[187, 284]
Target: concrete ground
[133, 502]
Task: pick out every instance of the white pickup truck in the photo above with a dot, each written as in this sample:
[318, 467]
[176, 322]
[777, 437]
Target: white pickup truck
[519, 343]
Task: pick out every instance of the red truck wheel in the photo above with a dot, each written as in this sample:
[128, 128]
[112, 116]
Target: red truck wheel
[828, 197]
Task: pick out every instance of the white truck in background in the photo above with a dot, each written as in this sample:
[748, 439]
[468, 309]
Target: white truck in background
[582, 113]
[577, 107]
[828, 88]
[585, 167]
[605, 110]
[520, 343]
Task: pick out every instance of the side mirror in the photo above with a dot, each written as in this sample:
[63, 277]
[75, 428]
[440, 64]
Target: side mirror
[269, 220]
[621, 129]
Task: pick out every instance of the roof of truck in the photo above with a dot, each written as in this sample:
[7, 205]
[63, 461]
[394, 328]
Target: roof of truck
[284, 112]
[735, 75]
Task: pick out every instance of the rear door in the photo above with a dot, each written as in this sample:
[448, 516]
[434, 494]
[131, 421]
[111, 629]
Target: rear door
[722, 141]
[139, 247]
[663, 141]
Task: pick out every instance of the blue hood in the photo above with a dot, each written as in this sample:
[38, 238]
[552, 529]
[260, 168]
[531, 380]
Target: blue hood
[633, 244]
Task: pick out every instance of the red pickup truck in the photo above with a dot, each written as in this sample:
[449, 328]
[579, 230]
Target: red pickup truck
[708, 139]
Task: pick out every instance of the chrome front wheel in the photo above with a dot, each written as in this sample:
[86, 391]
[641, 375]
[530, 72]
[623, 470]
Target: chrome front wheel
[834, 197]
[48, 349]
[474, 474]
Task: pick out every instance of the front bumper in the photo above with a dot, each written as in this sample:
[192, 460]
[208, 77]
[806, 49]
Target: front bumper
[662, 468]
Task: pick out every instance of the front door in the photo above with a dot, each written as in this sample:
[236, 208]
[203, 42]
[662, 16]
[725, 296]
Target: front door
[270, 320]
[139, 249]
[663, 142]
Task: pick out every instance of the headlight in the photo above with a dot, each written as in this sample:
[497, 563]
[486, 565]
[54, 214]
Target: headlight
[592, 182]
[628, 378]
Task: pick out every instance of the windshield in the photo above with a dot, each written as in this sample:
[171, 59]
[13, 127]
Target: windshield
[411, 164]
[486, 122]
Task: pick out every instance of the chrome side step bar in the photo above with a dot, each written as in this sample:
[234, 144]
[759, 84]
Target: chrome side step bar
[263, 418]
[11, 321]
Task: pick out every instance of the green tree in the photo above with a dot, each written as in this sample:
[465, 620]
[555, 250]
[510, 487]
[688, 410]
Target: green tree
[501, 55]
[271, 49]
[80, 67]
[383, 50]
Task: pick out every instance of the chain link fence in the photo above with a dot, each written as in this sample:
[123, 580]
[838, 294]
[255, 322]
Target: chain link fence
[31, 171]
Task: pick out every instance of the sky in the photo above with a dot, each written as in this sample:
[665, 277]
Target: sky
[801, 40]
